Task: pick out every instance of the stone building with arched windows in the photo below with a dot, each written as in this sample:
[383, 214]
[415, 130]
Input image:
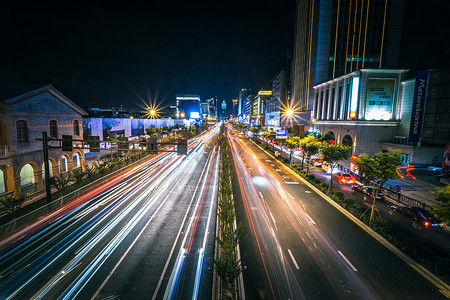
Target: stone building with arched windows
[25, 112]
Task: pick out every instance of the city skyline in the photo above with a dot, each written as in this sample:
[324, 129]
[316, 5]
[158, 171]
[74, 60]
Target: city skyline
[113, 56]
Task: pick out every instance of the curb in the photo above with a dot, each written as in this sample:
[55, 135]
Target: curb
[441, 285]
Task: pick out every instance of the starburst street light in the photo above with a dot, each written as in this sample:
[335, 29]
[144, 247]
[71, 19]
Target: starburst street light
[182, 115]
[152, 112]
[289, 112]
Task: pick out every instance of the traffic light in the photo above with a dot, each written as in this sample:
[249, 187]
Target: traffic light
[123, 144]
[94, 144]
[152, 144]
[67, 144]
[182, 147]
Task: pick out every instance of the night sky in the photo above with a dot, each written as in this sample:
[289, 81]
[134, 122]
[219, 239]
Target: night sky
[103, 55]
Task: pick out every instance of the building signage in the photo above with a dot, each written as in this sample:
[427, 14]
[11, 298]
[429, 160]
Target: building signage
[420, 92]
[282, 134]
[380, 96]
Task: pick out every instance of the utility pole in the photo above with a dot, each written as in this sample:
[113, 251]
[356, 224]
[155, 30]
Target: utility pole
[46, 167]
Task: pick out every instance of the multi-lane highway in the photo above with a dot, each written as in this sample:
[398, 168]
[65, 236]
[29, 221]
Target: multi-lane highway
[147, 232]
[299, 246]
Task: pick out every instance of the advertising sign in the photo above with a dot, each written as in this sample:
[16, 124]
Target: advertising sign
[380, 96]
[282, 134]
[420, 92]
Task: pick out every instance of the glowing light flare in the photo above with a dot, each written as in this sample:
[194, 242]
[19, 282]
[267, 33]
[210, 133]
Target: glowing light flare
[409, 174]
[398, 171]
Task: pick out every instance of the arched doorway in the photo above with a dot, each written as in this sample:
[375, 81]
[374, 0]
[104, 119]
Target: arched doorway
[329, 137]
[27, 181]
[348, 142]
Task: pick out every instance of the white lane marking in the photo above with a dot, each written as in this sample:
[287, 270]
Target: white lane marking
[291, 182]
[293, 259]
[349, 263]
[278, 170]
[273, 219]
[290, 196]
[308, 192]
[261, 195]
[312, 221]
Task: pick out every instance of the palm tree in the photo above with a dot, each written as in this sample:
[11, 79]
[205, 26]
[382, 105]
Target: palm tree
[90, 171]
[11, 205]
[100, 167]
[61, 183]
[78, 175]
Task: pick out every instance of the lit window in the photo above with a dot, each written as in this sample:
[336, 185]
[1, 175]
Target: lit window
[22, 131]
[53, 129]
[76, 127]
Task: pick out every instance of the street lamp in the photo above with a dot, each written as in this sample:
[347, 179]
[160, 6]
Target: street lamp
[182, 115]
[289, 113]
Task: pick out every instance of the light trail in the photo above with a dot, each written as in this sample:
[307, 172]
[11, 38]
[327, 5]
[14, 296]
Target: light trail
[171, 287]
[66, 245]
[202, 250]
[301, 222]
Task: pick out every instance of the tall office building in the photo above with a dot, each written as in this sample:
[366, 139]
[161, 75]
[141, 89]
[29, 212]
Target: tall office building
[243, 94]
[337, 37]
[188, 106]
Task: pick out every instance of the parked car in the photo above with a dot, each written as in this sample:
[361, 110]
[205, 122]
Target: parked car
[420, 218]
[343, 178]
[316, 162]
[444, 178]
[368, 191]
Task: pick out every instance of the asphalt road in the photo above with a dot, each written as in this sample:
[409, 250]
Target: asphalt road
[437, 241]
[299, 246]
[146, 233]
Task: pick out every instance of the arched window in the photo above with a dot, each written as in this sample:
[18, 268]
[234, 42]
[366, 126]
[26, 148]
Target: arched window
[50, 169]
[2, 183]
[53, 129]
[76, 161]
[76, 127]
[63, 166]
[22, 131]
[26, 175]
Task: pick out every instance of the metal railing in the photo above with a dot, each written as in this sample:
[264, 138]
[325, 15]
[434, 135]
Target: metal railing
[29, 188]
[6, 195]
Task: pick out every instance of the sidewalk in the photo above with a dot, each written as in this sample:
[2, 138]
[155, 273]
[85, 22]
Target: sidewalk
[420, 188]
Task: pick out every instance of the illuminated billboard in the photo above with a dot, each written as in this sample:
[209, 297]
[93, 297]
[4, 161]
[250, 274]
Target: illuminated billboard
[380, 98]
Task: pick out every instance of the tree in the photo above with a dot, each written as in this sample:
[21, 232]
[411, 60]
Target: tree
[443, 210]
[332, 153]
[379, 168]
[90, 171]
[150, 131]
[100, 167]
[61, 183]
[78, 175]
[292, 143]
[12, 204]
[310, 146]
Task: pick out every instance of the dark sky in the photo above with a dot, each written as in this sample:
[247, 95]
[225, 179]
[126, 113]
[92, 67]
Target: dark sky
[104, 55]
[100, 55]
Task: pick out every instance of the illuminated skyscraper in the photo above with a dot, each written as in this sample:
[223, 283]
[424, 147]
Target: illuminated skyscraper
[188, 106]
[337, 37]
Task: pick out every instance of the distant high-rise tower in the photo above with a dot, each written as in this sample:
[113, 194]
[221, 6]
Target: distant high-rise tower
[336, 37]
[243, 94]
